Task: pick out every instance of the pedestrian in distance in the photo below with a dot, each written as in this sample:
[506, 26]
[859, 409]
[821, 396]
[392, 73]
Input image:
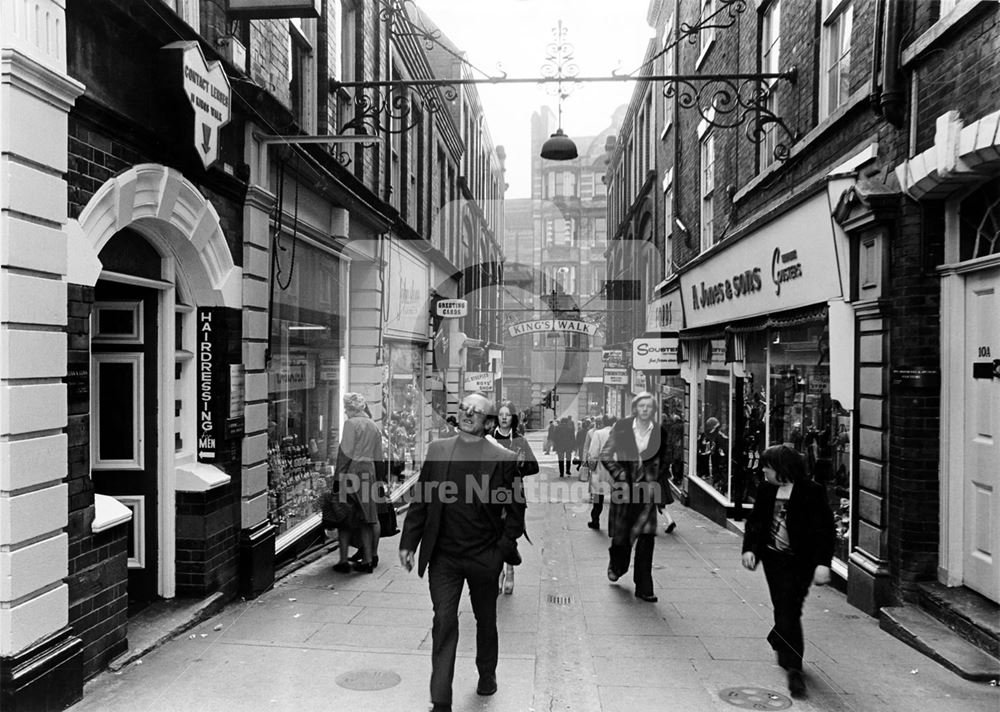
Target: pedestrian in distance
[636, 457]
[360, 470]
[466, 516]
[565, 443]
[507, 435]
[550, 437]
[790, 530]
[600, 478]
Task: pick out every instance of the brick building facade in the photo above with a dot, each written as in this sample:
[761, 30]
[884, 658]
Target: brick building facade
[188, 292]
[833, 271]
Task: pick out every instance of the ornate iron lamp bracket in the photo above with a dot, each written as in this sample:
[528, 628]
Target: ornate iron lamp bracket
[730, 101]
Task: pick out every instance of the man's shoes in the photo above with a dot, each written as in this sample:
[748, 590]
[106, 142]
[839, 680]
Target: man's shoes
[670, 527]
[594, 524]
[342, 567]
[796, 684]
[363, 568]
[440, 707]
[487, 685]
[646, 597]
[613, 575]
[357, 557]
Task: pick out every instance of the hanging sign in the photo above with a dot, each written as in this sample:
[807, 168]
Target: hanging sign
[573, 326]
[452, 308]
[481, 381]
[615, 376]
[613, 357]
[221, 393]
[665, 313]
[655, 354]
[206, 88]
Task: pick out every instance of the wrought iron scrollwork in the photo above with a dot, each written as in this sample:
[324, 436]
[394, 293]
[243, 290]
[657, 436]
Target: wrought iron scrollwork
[393, 110]
[725, 15]
[727, 103]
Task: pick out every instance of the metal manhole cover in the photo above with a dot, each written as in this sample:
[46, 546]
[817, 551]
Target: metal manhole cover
[559, 600]
[755, 698]
[368, 679]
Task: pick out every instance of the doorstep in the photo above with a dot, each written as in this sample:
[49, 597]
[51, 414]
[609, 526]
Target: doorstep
[972, 616]
[937, 641]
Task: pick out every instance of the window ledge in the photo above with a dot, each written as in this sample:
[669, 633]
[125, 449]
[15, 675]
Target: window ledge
[943, 26]
[807, 141]
[108, 513]
[200, 477]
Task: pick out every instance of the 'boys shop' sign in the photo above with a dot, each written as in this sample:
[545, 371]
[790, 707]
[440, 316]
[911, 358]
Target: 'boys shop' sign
[790, 263]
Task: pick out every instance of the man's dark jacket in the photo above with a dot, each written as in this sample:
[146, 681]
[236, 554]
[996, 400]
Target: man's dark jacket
[504, 508]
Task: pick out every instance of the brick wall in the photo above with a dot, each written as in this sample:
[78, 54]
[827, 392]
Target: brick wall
[98, 575]
[207, 541]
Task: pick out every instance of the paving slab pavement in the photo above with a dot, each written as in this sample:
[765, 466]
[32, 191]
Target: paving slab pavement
[569, 639]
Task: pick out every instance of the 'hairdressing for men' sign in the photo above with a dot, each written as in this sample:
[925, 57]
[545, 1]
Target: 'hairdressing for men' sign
[219, 382]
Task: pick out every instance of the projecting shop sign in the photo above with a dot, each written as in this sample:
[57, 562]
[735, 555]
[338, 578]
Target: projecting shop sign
[481, 381]
[207, 90]
[452, 308]
[655, 354]
[615, 376]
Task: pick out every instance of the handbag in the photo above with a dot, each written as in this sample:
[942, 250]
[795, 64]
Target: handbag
[388, 525]
[338, 513]
[584, 475]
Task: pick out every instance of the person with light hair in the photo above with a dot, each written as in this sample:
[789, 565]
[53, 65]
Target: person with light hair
[635, 455]
[360, 460]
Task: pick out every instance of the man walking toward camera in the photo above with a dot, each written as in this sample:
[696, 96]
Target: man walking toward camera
[466, 516]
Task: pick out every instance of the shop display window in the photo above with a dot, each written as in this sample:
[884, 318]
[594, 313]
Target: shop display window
[304, 388]
[803, 415]
[713, 447]
[674, 400]
[405, 407]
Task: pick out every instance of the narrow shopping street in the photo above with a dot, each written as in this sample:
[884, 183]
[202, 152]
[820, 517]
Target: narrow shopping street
[569, 639]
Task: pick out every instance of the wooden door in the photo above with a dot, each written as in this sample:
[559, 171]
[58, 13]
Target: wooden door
[981, 536]
[124, 437]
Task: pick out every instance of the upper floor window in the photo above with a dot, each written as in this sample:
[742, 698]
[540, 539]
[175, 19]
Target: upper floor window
[586, 186]
[302, 73]
[835, 55]
[668, 68]
[600, 231]
[707, 190]
[668, 223]
[187, 10]
[600, 187]
[707, 36]
[770, 63]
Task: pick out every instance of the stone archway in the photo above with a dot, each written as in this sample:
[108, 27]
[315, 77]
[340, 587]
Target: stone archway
[164, 206]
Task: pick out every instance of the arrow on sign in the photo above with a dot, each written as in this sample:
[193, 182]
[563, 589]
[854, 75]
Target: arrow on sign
[206, 132]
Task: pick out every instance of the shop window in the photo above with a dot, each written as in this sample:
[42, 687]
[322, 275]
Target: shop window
[304, 384]
[712, 456]
[802, 414]
[405, 405]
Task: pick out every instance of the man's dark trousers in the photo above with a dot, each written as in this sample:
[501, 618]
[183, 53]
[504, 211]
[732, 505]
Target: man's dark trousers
[642, 576]
[446, 574]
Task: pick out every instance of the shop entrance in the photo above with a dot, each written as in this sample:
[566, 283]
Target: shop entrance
[124, 437]
[981, 489]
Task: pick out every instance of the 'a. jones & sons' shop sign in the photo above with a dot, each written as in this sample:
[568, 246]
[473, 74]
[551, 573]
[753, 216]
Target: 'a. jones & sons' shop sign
[791, 262]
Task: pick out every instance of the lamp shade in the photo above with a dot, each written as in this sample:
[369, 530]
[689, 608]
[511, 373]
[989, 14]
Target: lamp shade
[559, 147]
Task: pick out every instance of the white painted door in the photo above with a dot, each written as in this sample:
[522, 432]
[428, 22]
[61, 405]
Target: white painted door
[981, 538]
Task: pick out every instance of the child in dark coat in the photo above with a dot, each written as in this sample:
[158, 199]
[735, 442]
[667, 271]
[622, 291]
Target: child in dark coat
[791, 531]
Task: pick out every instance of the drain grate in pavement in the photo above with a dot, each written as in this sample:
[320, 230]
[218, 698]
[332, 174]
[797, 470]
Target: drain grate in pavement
[368, 679]
[755, 698]
[559, 600]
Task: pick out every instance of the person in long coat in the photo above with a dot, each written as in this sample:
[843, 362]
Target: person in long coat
[600, 478]
[636, 457]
